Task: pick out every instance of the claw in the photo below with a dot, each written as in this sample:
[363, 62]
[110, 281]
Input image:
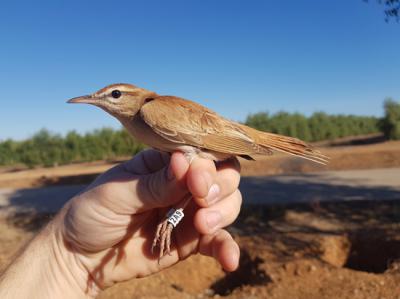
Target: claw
[162, 240]
[168, 239]
[156, 237]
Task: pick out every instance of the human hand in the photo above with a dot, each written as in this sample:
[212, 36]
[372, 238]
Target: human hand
[109, 227]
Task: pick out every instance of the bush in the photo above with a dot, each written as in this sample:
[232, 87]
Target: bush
[390, 124]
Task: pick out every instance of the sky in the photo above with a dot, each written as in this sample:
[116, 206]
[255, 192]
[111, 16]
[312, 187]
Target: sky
[235, 57]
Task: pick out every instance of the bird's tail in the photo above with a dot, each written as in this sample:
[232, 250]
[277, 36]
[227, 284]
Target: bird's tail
[289, 145]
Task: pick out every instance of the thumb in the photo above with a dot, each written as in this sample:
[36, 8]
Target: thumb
[164, 187]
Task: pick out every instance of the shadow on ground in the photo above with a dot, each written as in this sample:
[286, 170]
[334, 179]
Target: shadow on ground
[271, 191]
[363, 140]
[307, 188]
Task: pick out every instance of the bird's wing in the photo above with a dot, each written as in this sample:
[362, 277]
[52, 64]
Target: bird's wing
[185, 122]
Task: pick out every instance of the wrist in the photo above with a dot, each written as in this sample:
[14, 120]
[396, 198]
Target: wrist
[70, 271]
[46, 269]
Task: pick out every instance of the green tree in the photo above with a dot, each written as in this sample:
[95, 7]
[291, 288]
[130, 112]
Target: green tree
[391, 10]
[391, 121]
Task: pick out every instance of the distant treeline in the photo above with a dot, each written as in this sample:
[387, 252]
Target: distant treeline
[319, 126]
[48, 149]
[322, 126]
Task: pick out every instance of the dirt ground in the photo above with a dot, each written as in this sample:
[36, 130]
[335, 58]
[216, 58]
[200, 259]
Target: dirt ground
[311, 250]
[327, 250]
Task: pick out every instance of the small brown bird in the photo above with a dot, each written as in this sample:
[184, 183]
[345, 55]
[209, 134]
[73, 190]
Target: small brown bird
[170, 124]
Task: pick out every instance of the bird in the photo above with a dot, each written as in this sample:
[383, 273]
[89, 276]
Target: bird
[170, 124]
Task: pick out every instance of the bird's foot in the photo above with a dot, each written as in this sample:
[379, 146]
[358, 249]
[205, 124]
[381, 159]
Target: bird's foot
[162, 238]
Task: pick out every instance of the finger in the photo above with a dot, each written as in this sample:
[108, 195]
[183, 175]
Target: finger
[223, 248]
[201, 177]
[229, 163]
[219, 215]
[166, 186]
[129, 187]
[179, 167]
[147, 161]
[228, 176]
[209, 184]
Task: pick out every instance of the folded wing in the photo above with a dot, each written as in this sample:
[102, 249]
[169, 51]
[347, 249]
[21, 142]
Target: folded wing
[185, 122]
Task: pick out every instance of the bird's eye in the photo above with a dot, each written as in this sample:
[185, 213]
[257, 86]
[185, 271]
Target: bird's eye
[116, 94]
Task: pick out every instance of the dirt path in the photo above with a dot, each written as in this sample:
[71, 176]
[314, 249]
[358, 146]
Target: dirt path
[375, 184]
[343, 185]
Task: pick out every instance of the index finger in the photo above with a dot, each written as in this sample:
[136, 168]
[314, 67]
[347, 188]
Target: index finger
[209, 182]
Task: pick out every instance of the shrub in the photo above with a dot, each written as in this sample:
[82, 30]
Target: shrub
[390, 124]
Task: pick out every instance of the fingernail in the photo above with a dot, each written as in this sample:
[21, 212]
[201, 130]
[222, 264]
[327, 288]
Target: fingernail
[213, 194]
[170, 173]
[213, 218]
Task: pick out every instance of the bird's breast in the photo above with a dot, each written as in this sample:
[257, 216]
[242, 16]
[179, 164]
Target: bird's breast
[145, 134]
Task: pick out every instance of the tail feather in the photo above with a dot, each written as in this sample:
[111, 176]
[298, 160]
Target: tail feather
[289, 145]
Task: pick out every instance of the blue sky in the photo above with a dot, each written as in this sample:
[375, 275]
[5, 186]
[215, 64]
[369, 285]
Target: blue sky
[236, 57]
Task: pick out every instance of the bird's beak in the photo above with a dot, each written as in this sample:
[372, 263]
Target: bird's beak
[83, 99]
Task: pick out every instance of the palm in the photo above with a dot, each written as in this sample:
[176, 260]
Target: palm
[116, 227]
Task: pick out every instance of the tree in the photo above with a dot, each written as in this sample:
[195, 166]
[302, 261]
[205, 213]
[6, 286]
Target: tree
[392, 9]
[391, 121]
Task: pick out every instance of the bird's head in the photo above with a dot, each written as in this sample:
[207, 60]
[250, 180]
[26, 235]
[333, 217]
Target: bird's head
[120, 100]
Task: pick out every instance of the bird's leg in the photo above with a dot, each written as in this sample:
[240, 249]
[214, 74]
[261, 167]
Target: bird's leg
[162, 238]
[160, 229]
